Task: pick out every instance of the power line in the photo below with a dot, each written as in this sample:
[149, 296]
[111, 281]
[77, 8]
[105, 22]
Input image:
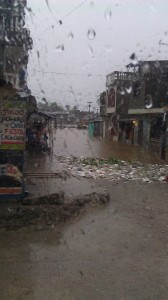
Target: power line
[68, 74]
[75, 8]
[60, 21]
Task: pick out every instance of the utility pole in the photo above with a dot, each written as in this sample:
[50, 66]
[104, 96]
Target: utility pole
[89, 102]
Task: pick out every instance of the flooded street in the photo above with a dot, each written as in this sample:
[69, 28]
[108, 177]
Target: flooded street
[72, 141]
[115, 251]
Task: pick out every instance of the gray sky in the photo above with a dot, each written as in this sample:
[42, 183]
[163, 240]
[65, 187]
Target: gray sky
[121, 27]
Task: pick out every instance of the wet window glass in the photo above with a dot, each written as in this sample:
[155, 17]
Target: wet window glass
[83, 149]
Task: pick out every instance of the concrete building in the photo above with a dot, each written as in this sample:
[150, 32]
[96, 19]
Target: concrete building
[15, 100]
[149, 102]
[15, 42]
[136, 105]
[118, 85]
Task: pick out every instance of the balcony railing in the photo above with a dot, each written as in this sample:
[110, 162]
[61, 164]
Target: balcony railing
[118, 76]
[16, 37]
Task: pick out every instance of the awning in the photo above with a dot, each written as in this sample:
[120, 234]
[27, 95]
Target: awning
[127, 120]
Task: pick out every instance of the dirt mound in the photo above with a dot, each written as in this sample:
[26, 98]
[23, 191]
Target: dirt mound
[45, 211]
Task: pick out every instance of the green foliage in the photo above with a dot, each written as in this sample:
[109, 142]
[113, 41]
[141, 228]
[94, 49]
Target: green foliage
[96, 162]
[90, 161]
[113, 161]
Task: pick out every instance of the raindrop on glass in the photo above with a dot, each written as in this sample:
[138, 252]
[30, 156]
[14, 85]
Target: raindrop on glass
[146, 68]
[90, 49]
[132, 56]
[44, 100]
[6, 38]
[128, 90]
[148, 102]
[108, 14]
[38, 54]
[122, 92]
[133, 59]
[91, 34]
[70, 36]
[60, 48]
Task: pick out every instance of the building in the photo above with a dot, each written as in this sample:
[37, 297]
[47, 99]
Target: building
[15, 98]
[149, 102]
[15, 42]
[118, 89]
[136, 105]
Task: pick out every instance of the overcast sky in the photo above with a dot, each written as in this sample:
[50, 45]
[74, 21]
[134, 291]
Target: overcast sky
[69, 65]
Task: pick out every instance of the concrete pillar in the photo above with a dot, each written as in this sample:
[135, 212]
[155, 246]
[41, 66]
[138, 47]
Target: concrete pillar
[104, 129]
[136, 133]
[146, 132]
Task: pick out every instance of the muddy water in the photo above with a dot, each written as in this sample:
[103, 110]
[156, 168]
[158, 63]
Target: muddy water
[77, 143]
[116, 252]
[72, 141]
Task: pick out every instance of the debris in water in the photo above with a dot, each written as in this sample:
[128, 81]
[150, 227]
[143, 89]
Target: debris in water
[115, 170]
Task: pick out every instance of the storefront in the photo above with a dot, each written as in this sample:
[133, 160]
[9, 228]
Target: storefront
[130, 131]
[12, 128]
[38, 132]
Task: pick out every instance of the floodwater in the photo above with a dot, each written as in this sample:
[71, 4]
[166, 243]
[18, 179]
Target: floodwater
[76, 142]
[117, 251]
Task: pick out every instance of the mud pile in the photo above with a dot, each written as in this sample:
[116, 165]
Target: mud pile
[49, 210]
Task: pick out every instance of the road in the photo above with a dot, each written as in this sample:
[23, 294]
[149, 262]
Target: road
[117, 251]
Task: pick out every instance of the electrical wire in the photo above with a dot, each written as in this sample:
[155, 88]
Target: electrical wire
[75, 8]
[65, 16]
[67, 74]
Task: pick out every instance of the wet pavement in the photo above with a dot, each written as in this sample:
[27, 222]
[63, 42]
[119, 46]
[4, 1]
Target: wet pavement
[118, 251]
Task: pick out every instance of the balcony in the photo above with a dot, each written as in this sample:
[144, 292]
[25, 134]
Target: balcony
[16, 38]
[118, 76]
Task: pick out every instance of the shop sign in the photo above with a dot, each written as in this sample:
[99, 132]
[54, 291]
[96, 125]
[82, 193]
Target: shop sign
[10, 170]
[12, 124]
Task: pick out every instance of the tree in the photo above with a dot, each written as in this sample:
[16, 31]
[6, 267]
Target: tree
[68, 107]
[75, 108]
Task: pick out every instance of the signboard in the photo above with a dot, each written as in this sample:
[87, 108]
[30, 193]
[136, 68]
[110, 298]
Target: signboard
[12, 124]
[10, 170]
